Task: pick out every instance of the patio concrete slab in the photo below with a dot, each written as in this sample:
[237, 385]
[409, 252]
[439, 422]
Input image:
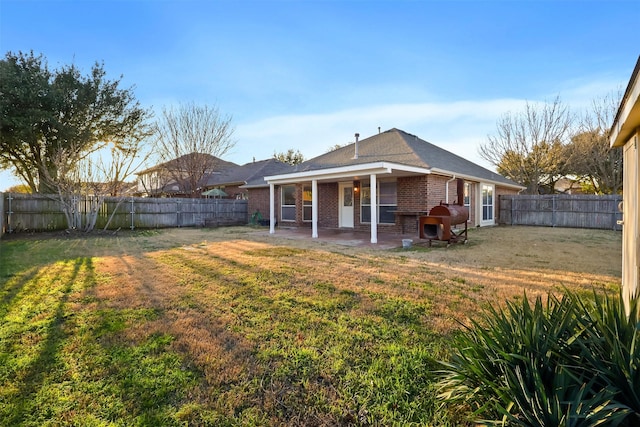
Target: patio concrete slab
[344, 237]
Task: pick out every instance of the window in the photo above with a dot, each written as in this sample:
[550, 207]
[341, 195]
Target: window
[288, 208]
[467, 195]
[487, 204]
[306, 203]
[387, 202]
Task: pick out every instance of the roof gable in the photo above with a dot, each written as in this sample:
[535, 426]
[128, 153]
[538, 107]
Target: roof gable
[397, 146]
[175, 164]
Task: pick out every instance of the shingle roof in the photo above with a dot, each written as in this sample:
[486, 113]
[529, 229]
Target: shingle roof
[397, 146]
[174, 164]
[250, 174]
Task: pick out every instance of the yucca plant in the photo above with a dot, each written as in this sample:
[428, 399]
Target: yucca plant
[611, 350]
[530, 365]
[570, 402]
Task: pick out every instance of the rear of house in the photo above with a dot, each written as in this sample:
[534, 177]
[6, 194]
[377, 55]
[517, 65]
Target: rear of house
[383, 182]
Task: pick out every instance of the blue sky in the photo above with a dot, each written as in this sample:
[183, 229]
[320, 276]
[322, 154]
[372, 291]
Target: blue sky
[309, 74]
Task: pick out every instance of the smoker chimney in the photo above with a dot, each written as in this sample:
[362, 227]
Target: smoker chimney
[378, 129]
[356, 154]
[460, 189]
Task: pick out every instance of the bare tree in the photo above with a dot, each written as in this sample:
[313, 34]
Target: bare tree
[81, 189]
[528, 145]
[589, 155]
[336, 146]
[191, 139]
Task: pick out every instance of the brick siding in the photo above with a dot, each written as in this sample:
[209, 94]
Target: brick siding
[415, 193]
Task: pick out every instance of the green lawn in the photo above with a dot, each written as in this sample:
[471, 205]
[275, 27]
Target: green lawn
[134, 330]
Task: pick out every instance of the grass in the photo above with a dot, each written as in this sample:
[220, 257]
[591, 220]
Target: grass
[196, 327]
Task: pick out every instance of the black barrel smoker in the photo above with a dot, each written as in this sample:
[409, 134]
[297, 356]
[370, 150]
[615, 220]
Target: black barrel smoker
[438, 224]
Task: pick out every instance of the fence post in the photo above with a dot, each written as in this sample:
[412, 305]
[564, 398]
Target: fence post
[2, 216]
[553, 211]
[9, 214]
[511, 200]
[132, 213]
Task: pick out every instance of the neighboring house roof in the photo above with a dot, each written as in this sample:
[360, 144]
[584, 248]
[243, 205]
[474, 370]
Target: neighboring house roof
[175, 163]
[628, 117]
[249, 175]
[176, 166]
[568, 185]
[398, 148]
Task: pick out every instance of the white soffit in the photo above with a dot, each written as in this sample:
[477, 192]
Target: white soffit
[343, 172]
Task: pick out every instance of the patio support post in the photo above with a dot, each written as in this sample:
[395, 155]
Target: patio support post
[374, 209]
[272, 209]
[314, 208]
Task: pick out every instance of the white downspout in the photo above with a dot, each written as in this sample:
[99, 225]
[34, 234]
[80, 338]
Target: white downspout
[446, 189]
[314, 209]
[272, 209]
[374, 209]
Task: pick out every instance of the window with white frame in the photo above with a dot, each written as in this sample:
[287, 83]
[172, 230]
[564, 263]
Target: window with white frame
[467, 195]
[288, 203]
[487, 204]
[306, 203]
[387, 202]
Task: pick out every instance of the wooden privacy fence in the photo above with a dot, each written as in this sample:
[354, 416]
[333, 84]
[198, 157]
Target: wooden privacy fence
[36, 212]
[560, 210]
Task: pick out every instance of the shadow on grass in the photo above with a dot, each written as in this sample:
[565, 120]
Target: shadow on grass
[45, 361]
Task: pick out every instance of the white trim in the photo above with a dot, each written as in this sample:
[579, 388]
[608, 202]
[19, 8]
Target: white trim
[341, 207]
[344, 172]
[373, 184]
[378, 168]
[492, 221]
[314, 209]
[628, 117]
[477, 179]
[272, 209]
[282, 205]
[631, 222]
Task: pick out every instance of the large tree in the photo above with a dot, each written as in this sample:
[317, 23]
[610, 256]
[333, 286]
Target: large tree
[528, 145]
[191, 141]
[51, 120]
[589, 155]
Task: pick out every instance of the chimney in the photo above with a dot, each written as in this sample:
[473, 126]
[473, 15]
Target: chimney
[356, 154]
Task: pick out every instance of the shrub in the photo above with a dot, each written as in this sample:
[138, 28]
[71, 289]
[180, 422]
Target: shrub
[566, 362]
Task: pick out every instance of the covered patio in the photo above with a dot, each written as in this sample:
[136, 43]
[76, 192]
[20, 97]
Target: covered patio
[342, 237]
[347, 178]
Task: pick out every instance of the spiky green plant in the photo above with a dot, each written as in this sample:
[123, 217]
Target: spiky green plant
[546, 364]
[611, 350]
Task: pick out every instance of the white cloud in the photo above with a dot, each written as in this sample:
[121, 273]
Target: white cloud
[455, 126]
[458, 126]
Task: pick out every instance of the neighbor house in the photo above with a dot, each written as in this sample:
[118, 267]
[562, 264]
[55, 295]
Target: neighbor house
[237, 181]
[385, 181]
[625, 133]
[183, 176]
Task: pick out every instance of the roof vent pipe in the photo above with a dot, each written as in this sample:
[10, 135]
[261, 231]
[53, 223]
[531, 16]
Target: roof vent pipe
[356, 153]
